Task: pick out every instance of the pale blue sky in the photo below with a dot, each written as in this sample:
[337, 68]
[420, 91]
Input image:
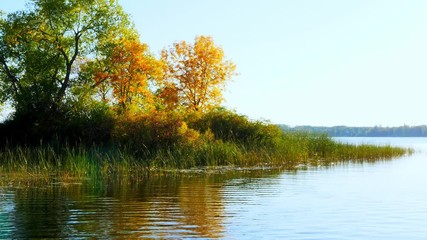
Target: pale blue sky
[305, 62]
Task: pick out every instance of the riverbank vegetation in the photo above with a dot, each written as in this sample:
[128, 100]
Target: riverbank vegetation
[89, 98]
[217, 139]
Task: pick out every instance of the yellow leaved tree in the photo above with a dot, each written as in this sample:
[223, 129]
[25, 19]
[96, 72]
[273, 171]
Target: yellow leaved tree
[196, 75]
[131, 67]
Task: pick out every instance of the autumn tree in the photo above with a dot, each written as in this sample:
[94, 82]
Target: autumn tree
[130, 71]
[197, 74]
[40, 47]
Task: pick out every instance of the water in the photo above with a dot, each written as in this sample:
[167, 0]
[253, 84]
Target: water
[383, 200]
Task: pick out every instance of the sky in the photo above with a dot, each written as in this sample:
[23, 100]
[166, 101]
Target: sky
[304, 62]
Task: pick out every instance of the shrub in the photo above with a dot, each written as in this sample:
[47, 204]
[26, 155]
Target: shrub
[229, 126]
[89, 125]
[151, 131]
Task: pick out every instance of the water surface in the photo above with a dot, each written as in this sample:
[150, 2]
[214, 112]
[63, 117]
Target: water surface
[382, 200]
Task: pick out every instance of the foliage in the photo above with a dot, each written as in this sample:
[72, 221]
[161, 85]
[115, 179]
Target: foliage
[65, 65]
[155, 130]
[229, 126]
[81, 125]
[89, 124]
[196, 74]
[40, 53]
[41, 46]
[130, 68]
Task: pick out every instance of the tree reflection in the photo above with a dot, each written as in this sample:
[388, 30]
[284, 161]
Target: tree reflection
[40, 212]
[173, 206]
[201, 203]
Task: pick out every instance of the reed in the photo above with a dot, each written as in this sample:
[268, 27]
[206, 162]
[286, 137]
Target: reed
[288, 151]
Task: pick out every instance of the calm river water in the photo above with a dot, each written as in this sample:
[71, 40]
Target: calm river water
[382, 200]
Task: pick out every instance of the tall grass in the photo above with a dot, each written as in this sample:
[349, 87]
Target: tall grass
[289, 151]
[168, 140]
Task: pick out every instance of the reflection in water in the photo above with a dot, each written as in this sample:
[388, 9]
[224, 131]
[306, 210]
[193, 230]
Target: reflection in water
[202, 206]
[7, 208]
[38, 207]
[173, 206]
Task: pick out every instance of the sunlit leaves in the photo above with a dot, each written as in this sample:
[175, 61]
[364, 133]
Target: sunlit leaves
[40, 47]
[131, 69]
[197, 72]
[59, 52]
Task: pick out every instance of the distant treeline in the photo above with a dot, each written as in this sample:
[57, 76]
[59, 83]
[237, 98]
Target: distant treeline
[344, 131]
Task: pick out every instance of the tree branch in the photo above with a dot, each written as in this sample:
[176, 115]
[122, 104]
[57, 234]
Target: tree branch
[69, 64]
[14, 80]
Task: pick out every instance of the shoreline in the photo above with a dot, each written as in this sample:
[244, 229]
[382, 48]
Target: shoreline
[84, 164]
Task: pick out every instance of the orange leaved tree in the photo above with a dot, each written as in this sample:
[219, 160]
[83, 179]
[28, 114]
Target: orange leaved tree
[196, 74]
[130, 69]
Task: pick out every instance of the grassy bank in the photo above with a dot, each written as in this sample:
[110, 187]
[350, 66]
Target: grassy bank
[289, 151]
[141, 144]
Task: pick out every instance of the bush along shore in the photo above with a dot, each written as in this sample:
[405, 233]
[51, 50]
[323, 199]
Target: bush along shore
[140, 144]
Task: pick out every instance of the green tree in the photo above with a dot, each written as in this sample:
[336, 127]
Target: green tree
[42, 47]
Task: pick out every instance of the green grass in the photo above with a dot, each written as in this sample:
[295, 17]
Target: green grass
[288, 151]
